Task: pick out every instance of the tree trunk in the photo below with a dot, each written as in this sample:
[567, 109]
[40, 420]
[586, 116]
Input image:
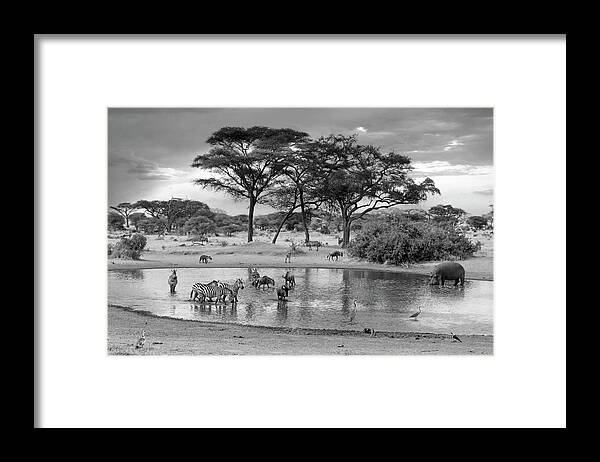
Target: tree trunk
[251, 218]
[127, 220]
[304, 221]
[346, 229]
[289, 214]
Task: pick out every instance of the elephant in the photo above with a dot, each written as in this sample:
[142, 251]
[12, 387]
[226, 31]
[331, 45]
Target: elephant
[448, 271]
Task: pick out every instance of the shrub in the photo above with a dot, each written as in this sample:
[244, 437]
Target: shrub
[325, 230]
[137, 241]
[398, 240]
[128, 247]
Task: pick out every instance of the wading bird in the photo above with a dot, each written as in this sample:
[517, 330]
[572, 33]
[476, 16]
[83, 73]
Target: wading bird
[455, 337]
[353, 312]
[414, 315]
[142, 340]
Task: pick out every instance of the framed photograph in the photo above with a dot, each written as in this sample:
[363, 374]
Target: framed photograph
[320, 244]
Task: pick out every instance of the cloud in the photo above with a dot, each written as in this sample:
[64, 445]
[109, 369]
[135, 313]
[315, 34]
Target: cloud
[442, 167]
[361, 129]
[485, 192]
[144, 169]
[452, 144]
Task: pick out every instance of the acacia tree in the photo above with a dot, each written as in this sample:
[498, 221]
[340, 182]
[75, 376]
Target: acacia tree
[358, 179]
[446, 214]
[125, 209]
[173, 209]
[302, 169]
[247, 162]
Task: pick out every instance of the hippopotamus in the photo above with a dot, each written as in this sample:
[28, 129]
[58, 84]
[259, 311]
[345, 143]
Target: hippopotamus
[448, 271]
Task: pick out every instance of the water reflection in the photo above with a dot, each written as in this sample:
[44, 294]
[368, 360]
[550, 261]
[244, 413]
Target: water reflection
[322, 298]
[129, 274]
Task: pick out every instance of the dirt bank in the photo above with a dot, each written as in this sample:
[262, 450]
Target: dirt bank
[167, 336]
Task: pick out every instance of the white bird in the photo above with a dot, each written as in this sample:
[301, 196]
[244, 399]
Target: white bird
[353, 312]
[455, 337]
[414, 315]
[142, 340]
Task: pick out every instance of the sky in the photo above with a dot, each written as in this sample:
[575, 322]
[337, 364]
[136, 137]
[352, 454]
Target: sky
[150, 151]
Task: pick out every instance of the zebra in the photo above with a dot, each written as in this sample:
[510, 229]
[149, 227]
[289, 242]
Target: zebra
[311, 244]
[204, 258]
[210, 290]
[173, 281]
[234, 288]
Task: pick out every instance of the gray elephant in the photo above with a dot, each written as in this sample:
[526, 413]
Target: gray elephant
[448, 271]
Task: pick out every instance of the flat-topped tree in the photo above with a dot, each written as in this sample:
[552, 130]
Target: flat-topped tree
[174, 209]
[358, 179]
[125, 209]
[247, 162]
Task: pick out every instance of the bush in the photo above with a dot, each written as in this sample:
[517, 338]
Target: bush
[398, 240]
[128, 247]
[325, 230]
[137, 241]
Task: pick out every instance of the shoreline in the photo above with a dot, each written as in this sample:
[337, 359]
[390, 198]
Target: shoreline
[171, 336]
[422, 270]
[299, 330]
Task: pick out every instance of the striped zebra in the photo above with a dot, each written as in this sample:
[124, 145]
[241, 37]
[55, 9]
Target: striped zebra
[209, 291]
[234, 288]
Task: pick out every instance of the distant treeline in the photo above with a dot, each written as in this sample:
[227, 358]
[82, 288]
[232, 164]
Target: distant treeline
[195, 218]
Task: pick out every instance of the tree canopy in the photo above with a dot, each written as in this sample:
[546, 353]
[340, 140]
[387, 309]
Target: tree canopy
[358, 179]
[247, 162]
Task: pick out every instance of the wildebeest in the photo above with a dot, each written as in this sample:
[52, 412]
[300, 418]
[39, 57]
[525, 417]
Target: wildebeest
[204, 259]
[311, 244]
[282, 292]
[335, 254]
[263, 280]
[290, 280]
[173, 281]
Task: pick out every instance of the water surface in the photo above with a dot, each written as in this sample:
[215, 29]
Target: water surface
[323, 298]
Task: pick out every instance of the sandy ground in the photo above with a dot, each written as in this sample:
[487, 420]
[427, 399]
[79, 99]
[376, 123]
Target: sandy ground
[171, 336]
[166, 336]
[176, 251]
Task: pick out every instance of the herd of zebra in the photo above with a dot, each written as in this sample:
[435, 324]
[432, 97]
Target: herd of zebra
[218, 291]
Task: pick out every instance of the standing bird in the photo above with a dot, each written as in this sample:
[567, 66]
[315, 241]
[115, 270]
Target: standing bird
[353, 312]
[414, 315]
[455, 337]
[141, 341]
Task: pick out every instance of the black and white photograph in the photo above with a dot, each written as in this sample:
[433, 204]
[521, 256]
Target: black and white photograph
[300, 231]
